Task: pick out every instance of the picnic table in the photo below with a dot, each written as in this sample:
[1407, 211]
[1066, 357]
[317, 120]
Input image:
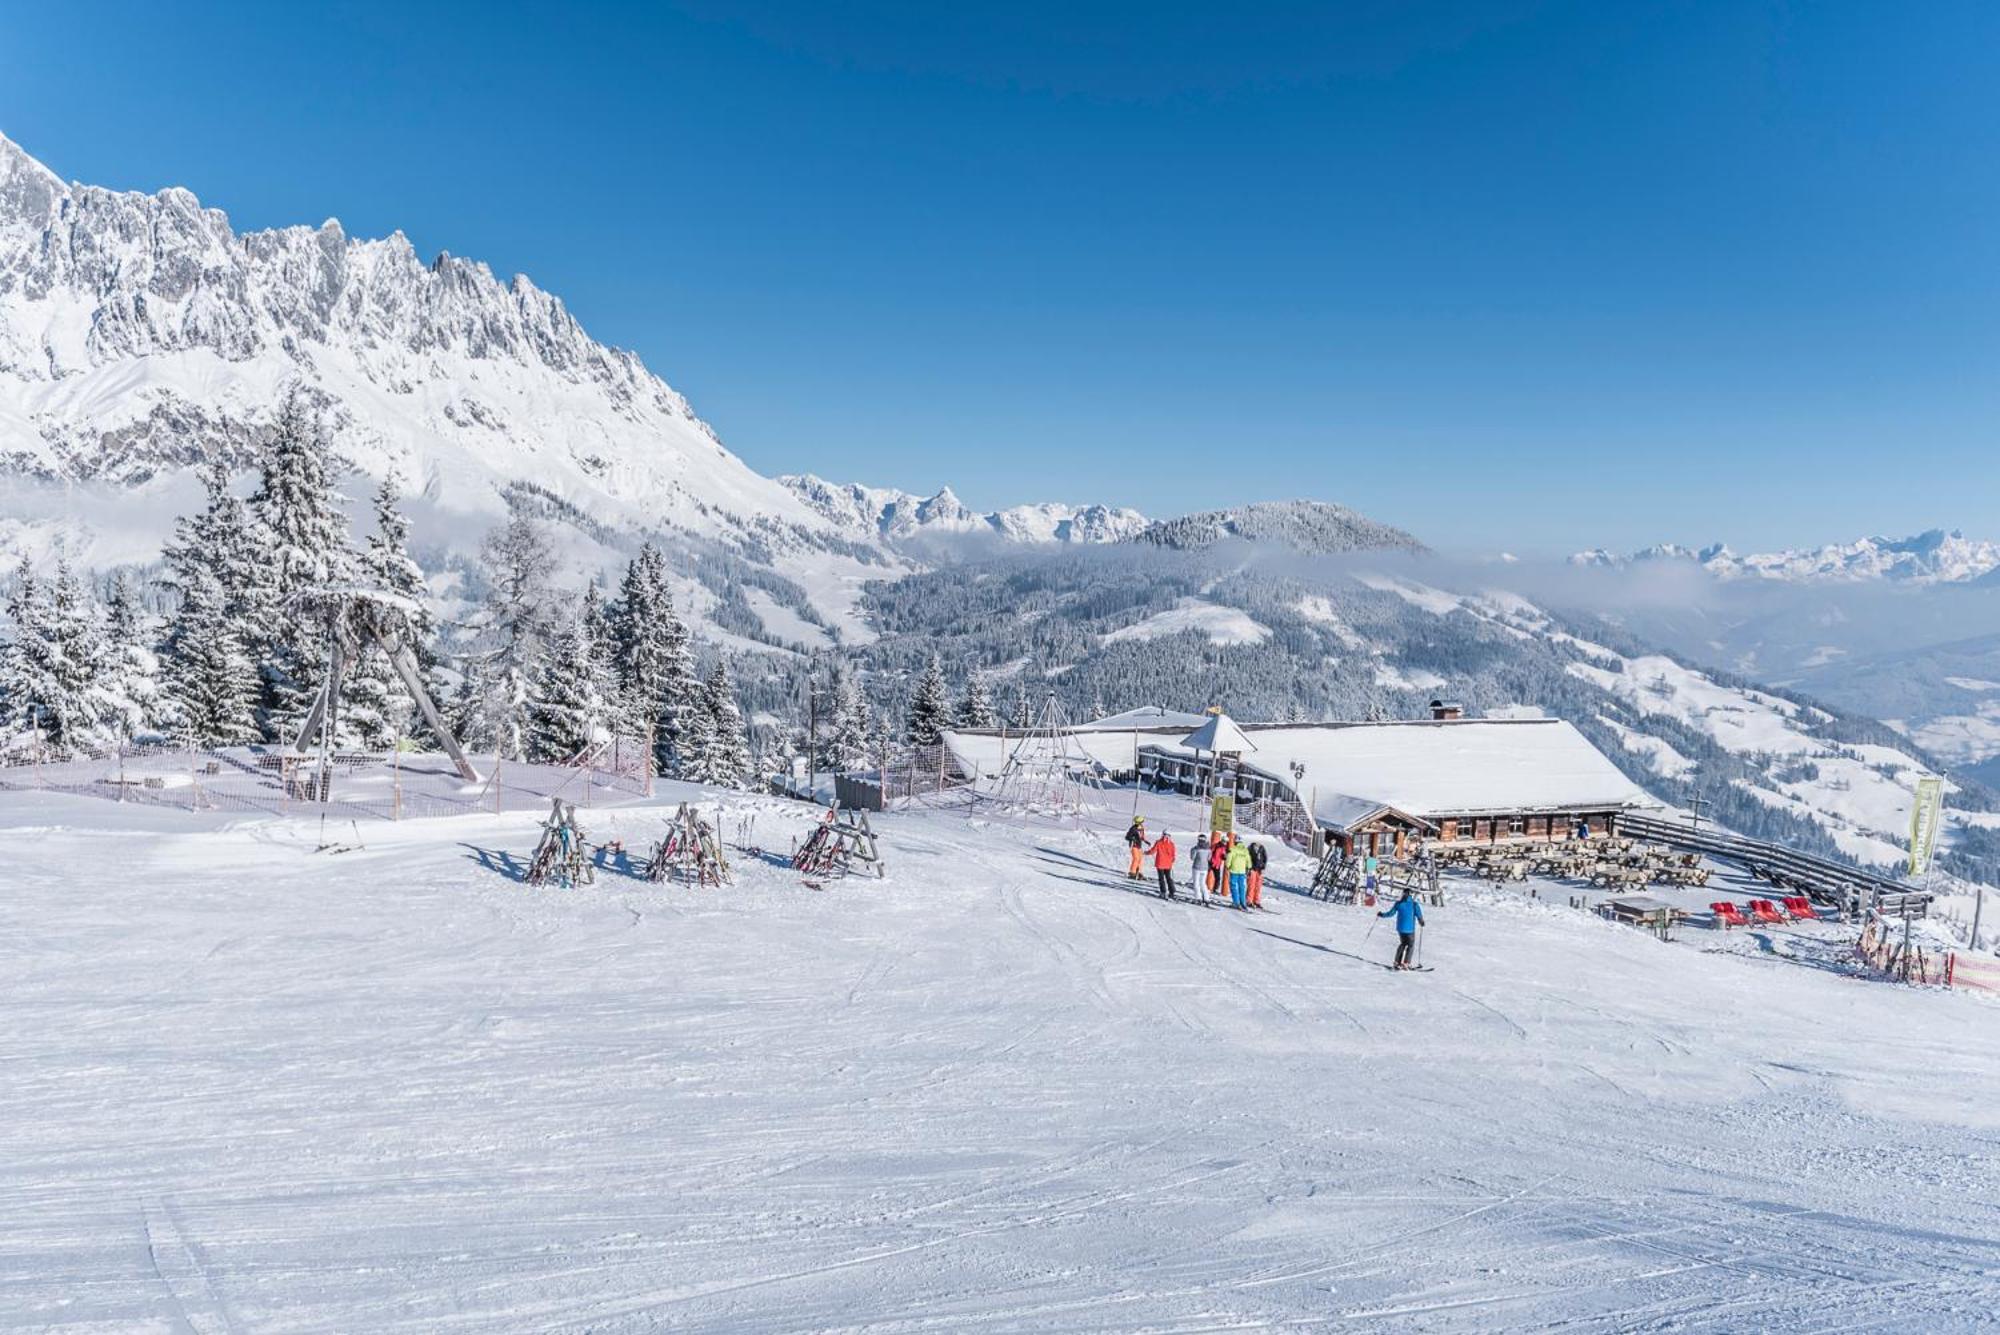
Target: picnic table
[1656, 915]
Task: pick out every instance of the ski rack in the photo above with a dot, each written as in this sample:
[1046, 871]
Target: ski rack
[838, 845]
[563, 855]
[690, 852]
[1339, 877]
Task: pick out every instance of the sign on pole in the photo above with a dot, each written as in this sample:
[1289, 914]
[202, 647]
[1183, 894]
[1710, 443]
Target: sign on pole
[1222, 814]
[1924, 820]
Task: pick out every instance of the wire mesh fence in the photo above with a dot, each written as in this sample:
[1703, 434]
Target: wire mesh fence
[372, 785]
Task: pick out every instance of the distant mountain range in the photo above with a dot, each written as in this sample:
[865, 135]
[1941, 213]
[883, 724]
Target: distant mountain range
[1932, 557]
[901, 516]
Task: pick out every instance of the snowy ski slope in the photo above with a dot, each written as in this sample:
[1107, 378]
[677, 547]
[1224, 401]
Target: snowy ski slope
[249, 1086]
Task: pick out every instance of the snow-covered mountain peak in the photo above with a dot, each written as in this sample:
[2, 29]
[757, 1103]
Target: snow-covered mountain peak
[140, 335]
[893, 515]
[1935, 556]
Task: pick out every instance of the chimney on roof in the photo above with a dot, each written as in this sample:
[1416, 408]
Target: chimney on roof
[1447, 709]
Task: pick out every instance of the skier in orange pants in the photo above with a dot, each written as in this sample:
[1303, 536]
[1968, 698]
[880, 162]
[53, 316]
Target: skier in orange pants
[1135, 840]
[1258, 858]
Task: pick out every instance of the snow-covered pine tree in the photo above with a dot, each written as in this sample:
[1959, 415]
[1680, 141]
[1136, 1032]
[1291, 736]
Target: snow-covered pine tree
[975, 708]
[209, 686]
[846, 735]
[930, 707]
[1023, 713]
[490, 711]
[597, 617]
[656, 676]
[694, 740]
[220, 544]
[566, 711]
[51, 663]
[130, 687]
[303, 534]
[726, 762]
[378, 707]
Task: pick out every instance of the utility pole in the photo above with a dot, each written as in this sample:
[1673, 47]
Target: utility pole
[1698, 802]
[812, 738]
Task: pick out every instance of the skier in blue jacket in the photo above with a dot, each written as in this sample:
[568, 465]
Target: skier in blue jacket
[1409, 915]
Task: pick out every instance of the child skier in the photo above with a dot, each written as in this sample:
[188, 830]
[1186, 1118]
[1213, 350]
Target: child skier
[1259, 859]
[1163, 863]
[1409, 915]
[1135, 842]
[1218, 854]
[1238, 862]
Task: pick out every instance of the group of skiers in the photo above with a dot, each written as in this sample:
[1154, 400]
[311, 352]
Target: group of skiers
[1220, 860]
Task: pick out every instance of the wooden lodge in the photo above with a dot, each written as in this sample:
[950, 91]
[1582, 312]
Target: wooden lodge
[1373, 787]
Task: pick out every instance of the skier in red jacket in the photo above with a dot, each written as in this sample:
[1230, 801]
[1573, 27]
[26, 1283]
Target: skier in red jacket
[1163, 863]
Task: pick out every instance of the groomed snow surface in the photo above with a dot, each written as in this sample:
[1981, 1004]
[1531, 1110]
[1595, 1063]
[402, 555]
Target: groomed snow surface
[251, 1086]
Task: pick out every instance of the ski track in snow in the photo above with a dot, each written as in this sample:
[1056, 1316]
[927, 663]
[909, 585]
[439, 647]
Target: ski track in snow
[248, 1087]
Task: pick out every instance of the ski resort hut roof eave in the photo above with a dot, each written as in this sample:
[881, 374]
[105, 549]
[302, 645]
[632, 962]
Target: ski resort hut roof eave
[1346, 813]
[1220, 735]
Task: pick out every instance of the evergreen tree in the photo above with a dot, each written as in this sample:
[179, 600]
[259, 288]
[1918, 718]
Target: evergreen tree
[51, 664]
[220, 544]
[695, 741]
[303, 535]
[566, 713]
[599, 628]
[725, 760]
[657, 685]
[509, 630]
[1024, 709]
[131, 670]
[930, 708]
[975, 710]
[209, 685]
[378, 707]
[847, 733]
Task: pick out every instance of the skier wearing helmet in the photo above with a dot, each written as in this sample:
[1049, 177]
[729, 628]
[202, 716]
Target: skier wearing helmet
[1135, 843]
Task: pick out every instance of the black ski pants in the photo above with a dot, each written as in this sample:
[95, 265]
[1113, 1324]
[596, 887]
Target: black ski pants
[1405, 947]
[1166, 882]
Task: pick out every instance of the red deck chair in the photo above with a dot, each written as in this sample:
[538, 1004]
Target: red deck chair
[1763, 910]
[1727, 914]
[1800, 908]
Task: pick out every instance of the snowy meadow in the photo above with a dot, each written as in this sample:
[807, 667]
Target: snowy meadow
[253, 1086]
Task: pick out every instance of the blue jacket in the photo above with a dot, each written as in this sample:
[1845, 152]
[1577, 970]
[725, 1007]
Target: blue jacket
[1408, 914]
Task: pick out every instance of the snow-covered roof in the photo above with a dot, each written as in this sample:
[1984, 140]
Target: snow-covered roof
[1143, 718]
[1219, 733]
[985, 753]
[1440, 768]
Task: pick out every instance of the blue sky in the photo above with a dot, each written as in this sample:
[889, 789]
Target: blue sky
[1520, 275]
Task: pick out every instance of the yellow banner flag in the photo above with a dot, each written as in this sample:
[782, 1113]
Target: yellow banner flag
[1925, 817]
[1222, 814]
